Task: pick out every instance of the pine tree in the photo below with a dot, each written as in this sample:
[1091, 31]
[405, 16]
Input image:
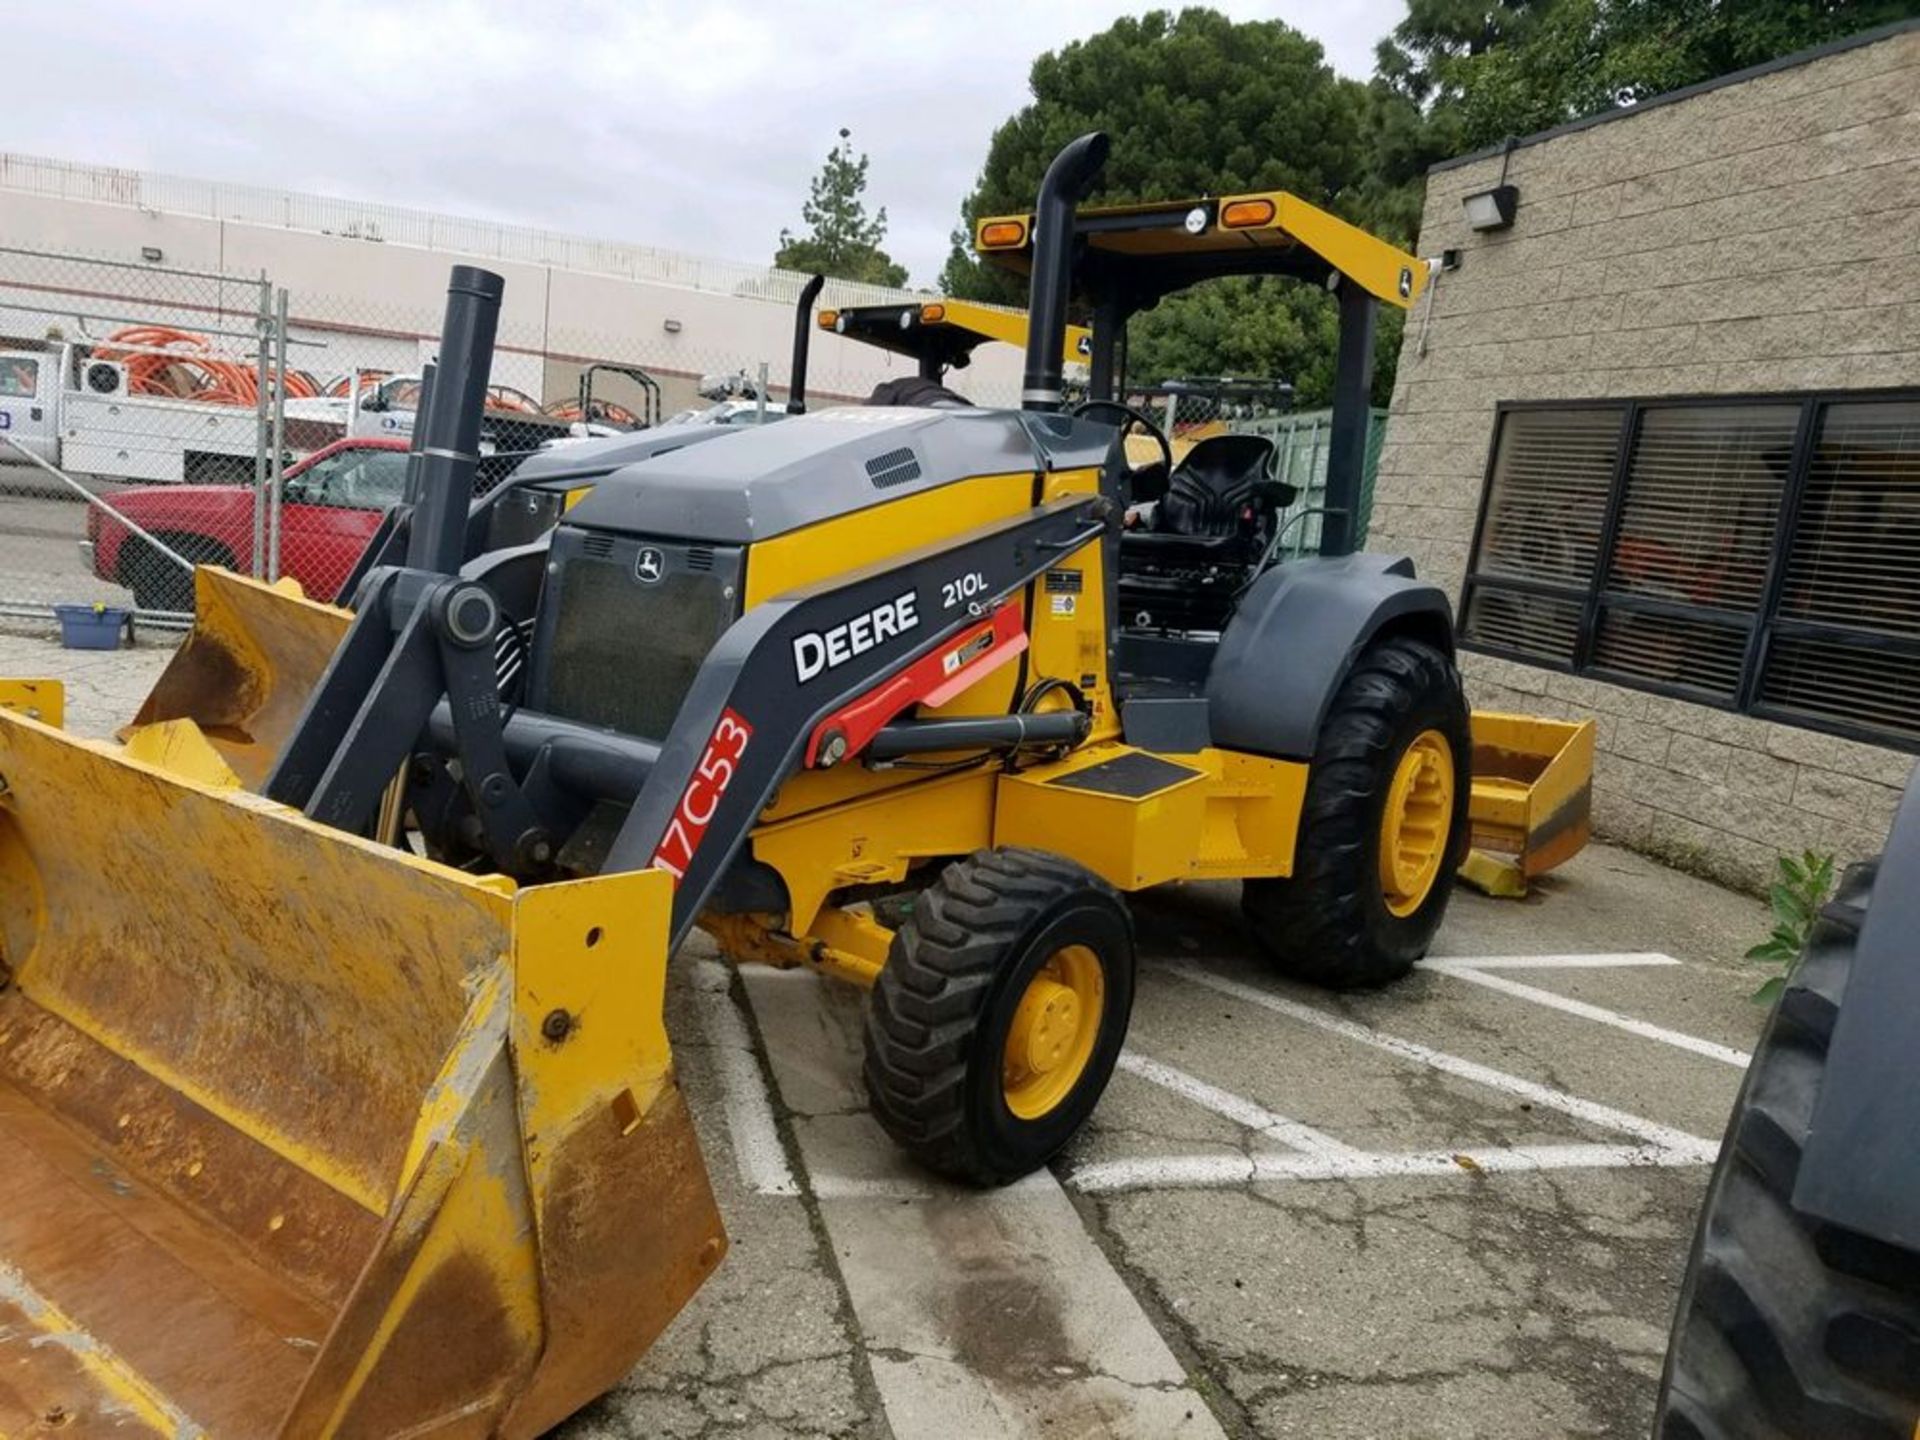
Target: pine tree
[842, 240]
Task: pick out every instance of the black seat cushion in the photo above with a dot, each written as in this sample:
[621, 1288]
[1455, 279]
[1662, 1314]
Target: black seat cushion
[1156, 548]
[1211, 491]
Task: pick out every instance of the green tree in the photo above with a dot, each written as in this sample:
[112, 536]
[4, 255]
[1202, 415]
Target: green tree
[1480, 72]
[1415, 117]
[1196, 104]
[842, 240]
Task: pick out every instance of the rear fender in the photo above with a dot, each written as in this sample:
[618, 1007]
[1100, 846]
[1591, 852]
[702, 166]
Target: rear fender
[1295, 637]
[1861, 1166]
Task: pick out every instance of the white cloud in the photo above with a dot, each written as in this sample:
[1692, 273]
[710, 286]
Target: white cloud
[656, 123]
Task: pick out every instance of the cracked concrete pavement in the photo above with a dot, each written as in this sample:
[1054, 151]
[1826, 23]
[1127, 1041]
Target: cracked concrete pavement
[865, 1300]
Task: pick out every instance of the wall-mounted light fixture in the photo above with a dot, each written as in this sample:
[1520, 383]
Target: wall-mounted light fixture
[1491, 209]
[152, 254]
[672, 327]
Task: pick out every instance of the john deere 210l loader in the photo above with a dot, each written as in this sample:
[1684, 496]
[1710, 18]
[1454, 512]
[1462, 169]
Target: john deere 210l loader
[334, 1094]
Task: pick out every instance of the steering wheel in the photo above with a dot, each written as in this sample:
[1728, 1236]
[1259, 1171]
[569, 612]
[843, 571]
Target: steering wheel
[1131, 416]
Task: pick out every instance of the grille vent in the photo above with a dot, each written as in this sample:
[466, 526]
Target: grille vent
[600, 547]
[896, 467]
[699, 557]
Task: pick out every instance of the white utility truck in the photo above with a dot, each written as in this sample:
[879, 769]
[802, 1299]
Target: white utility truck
[73, 410]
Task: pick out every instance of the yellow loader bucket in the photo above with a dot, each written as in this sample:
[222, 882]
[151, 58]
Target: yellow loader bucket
[1532, 796]
[304, 1136]
[245, 671]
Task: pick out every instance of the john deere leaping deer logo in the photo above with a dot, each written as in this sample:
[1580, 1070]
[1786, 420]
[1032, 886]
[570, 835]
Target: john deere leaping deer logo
[649, 565]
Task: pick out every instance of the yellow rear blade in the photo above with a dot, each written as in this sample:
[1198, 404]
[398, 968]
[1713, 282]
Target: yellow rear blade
[1532, 793]
[307, 1136]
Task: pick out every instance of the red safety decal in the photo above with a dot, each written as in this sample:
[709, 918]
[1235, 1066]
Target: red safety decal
[710, 780]
[933, 679]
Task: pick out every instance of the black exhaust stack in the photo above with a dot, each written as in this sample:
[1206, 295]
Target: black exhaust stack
[1068, 181]
[446, 455]
[802, 343]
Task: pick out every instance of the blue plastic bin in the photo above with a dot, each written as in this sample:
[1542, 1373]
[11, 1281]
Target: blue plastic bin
[92, 627]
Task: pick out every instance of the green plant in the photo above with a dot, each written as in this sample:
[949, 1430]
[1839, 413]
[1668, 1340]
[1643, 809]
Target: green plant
[1796, 898]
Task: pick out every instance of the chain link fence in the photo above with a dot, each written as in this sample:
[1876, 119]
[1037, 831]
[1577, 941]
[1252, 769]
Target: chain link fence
[118, 377]
[1302, 443]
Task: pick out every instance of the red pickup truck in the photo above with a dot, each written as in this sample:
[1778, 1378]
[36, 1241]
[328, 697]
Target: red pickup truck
[333, 502]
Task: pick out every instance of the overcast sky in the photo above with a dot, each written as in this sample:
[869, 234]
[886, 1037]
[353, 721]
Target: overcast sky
[692, 127]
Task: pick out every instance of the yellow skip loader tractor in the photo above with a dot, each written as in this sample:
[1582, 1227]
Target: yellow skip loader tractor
[334, 1090]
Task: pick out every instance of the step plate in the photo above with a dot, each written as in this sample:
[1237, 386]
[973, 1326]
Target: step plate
[1132, 776]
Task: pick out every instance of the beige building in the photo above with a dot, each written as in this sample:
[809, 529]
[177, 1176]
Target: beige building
[366, 284]
[1660, 435]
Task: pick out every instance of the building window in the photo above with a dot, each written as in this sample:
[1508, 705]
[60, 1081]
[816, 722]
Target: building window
[1760, 555]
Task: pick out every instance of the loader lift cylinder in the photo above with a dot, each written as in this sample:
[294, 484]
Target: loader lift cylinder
[442, 470]
[1068, 179]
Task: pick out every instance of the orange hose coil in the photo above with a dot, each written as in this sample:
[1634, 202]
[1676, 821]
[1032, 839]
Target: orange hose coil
[189, 370]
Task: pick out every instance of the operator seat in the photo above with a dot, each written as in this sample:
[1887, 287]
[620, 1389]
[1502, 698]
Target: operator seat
[1182, 569]
[1211, 492]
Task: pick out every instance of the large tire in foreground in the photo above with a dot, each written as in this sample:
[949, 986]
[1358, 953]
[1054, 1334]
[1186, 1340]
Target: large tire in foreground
[1786, 1326]
[996, 1022]
[1392, 764]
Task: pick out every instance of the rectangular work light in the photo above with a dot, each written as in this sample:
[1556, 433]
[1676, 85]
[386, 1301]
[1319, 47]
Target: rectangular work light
[1491, 209]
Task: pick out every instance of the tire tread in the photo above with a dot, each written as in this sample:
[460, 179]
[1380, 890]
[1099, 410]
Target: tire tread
[1753, 1352]
[933, 992]
[1315, 923]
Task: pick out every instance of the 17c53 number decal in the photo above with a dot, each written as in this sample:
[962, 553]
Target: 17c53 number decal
[701, 798]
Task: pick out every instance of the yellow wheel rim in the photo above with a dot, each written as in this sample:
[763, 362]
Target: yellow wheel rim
[1053, 1031]
[1416, 822]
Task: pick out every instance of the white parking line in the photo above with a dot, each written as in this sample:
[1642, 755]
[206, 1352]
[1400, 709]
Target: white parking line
[1256, 1118]
[1622, 961]
[757, 1151]
[1166, 1172]
[1545, 1096]
[1474, 972]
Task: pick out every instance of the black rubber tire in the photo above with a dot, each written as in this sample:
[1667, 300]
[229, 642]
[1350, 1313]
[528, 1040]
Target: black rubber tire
[937, 1020]
[1328, 922]
[1788, 1328]
[156, 581]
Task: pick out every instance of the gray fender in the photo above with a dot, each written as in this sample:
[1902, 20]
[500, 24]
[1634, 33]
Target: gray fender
[1295, 636]
[1861, 1165]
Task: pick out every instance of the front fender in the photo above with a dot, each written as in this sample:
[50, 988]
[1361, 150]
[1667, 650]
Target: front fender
[1295, 636]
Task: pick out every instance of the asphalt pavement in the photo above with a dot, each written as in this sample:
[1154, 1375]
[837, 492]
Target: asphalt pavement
[40, 534]
[1455, 1207]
